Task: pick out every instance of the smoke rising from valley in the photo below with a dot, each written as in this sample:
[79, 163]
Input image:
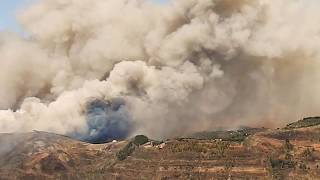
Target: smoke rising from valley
[177, 68]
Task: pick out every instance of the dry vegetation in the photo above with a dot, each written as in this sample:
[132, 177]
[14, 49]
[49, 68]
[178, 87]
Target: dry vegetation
[245, 154]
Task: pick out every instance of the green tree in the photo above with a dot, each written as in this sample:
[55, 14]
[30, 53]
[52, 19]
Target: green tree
[140, 140]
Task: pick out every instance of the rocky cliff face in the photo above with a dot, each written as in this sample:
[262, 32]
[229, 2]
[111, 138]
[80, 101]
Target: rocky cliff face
[293, 152]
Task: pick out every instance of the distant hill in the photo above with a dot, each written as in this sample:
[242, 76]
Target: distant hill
[306, 122]
[249, 153]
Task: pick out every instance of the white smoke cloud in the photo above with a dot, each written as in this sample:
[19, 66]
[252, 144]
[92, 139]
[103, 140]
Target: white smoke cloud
[186, 66]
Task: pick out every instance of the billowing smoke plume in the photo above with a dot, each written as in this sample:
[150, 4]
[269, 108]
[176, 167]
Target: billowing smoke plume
[106, 121]
[187, 66]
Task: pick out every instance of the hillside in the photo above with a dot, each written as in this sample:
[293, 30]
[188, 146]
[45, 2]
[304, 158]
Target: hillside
[244, 154]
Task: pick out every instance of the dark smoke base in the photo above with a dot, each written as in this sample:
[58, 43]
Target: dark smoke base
[106, 121]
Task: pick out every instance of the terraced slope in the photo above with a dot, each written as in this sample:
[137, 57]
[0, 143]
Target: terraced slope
[262, 154]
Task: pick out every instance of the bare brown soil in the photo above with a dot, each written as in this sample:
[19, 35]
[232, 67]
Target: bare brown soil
[267, 154]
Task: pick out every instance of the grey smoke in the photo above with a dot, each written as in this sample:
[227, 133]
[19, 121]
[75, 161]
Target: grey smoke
[106, 121]
[187, 66]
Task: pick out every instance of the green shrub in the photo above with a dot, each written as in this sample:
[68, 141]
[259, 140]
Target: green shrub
[222, 146]
[281, 164]
[288, 149]
[155, 143]
[131, 146]
[126, 151]
[308, 155]
[140, 140]
[303, 166]
[288, 146]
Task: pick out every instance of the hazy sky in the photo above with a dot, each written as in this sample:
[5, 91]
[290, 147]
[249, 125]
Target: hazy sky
[8, 9]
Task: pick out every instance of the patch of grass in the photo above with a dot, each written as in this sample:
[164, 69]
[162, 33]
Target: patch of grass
[234, 136]
[289, 135]
[217, 148]
[188, 147]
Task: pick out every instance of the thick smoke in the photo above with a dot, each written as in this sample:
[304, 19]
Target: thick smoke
[187, 66]
[106, 121]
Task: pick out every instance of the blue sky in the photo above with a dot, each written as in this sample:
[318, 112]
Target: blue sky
[161, 1]
[8, 9]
